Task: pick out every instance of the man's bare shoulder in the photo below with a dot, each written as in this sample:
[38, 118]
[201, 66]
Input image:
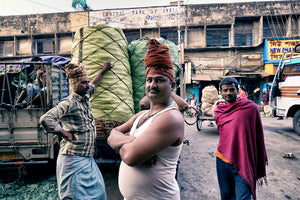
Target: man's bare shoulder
[169, 119]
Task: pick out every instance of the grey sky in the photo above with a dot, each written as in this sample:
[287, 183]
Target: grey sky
[23, 7]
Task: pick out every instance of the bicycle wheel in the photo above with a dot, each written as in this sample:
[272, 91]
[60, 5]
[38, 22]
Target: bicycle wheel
[199, 124]
[190, 116]
[199, 121]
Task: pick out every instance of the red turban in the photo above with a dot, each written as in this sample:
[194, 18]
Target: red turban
[158, 60]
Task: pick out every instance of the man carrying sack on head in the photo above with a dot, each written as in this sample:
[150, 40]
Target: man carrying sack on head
[78, 176]
[150, 142]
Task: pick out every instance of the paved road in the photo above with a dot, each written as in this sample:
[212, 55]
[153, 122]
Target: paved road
[197, 174]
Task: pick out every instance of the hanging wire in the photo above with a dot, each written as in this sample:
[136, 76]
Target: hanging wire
[294, 12]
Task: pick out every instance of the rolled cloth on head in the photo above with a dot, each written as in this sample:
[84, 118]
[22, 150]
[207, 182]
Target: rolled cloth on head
[76, 73]
[158, 60]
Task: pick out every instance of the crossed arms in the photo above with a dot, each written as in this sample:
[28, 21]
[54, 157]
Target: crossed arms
[166, 129]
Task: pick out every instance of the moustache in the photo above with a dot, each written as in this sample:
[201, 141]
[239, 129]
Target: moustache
[153, 89]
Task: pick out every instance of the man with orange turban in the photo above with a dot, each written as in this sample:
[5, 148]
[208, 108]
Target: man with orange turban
[78, 176]
[150, 142]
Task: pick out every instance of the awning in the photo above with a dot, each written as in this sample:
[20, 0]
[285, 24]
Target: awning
[234, 76]
[215, 77]
[206, 77]
[201, 77]
[262, 73]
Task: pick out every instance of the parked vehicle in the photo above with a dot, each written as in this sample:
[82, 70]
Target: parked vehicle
[285, 89]
[22, 139]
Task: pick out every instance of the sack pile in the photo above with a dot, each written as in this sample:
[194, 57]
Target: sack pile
[209, 100]
[121, 89]
[93, 46]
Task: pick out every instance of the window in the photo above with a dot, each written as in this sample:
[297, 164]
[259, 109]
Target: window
[216, 37]
[243, 39]
[274, 27]
[170, 34]
[44, 46]
[292, 69]
[39, 47]
[132, 35]
[243, 34]
[6, 48]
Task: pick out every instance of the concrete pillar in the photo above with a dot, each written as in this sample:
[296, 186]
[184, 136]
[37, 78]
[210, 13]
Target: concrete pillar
[185, 36]
[15, 46]
[56, 50]
[31, 44]
[261, 29]
[288, 27]
[231, 36]
[204, 30]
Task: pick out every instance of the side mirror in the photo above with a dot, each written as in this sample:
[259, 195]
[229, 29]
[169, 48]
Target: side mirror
[297, 48]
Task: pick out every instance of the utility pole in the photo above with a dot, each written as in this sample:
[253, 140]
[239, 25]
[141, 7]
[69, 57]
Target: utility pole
[181, 65]
[178, 20]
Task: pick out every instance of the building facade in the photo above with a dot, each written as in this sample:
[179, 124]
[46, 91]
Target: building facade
[216, 40]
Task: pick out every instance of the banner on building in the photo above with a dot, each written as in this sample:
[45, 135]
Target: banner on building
[251, 60]
[276, 48]
[152, 17]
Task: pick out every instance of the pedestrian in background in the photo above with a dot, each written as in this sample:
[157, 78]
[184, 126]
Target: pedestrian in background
[78, 176]
[241, 153]
[242, 92]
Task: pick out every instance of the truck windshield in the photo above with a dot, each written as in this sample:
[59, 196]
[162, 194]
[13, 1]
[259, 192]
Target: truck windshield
[291, 70]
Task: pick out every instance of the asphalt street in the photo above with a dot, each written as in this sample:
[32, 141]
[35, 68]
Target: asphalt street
[197, 172]
[197, 177]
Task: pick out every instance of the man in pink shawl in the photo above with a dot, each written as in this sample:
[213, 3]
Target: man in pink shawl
[241, 153]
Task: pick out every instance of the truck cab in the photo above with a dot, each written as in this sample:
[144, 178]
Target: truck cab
[285, 90]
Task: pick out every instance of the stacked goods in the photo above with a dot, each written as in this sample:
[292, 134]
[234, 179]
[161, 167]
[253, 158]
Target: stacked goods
[137, 50]
[93, 46]
[209, 99]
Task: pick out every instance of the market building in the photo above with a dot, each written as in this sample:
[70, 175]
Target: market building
[242, 40]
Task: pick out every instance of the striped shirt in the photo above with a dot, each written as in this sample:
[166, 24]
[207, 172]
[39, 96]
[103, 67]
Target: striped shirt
[74, 114]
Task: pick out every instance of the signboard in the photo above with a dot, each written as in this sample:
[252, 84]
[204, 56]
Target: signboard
[251, 60]
[139, 17]
[276, 48]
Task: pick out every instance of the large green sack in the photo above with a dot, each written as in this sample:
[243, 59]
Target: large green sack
[93, 46]
[137, 50]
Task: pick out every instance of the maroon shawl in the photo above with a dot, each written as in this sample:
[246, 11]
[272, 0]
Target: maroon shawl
[242, 140]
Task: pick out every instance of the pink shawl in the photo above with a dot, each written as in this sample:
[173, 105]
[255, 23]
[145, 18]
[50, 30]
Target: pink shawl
[242, 140]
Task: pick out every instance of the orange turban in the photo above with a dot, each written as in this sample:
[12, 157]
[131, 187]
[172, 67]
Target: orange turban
[158, 60]
[76, 73]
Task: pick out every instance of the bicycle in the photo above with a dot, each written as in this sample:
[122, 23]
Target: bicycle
[193, 115]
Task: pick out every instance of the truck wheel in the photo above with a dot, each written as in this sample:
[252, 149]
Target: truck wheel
[296, 122]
